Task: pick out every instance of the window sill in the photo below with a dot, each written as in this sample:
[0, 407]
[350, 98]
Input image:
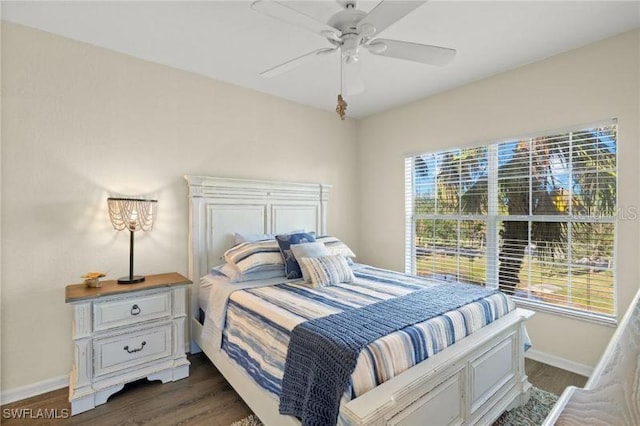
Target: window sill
[565, 312]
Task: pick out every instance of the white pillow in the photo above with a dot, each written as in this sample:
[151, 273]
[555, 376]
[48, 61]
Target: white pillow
[299, 251]
[252, 238]
[336, 246]
[328, 270]
[235, 276]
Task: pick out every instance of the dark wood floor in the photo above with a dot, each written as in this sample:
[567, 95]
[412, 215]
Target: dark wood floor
[551, 379]
[204, 398]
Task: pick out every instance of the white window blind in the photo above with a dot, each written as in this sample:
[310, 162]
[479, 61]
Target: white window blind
[535, 217]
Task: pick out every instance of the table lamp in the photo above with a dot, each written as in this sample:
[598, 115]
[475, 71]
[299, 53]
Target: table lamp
[132, 214]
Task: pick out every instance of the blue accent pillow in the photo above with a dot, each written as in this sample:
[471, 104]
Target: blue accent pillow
[285, 241]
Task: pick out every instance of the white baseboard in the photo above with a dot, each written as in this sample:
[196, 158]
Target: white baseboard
[556, 361]
[34, 389]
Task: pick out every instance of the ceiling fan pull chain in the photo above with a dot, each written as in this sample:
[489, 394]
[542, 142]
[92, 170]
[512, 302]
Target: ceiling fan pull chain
[341, 107]
[341, 71]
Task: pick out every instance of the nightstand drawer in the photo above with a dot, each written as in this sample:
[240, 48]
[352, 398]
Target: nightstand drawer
[127, 350]
[131, 310]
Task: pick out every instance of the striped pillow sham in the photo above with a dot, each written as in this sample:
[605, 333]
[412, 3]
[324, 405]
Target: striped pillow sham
[328, 270]
[255, 256]
[315, 249]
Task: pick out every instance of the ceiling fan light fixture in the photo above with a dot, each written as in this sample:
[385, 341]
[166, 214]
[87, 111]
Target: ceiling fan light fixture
[350, 59]
[350, 45]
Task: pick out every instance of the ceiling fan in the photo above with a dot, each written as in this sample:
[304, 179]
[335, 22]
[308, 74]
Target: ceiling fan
[351, 30]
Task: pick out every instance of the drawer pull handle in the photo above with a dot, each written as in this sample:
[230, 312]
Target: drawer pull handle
[135, 310]
[126, 348]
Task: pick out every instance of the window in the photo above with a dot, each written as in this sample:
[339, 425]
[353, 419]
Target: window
[535, 217]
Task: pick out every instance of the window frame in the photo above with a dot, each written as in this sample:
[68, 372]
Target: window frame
[493, 220]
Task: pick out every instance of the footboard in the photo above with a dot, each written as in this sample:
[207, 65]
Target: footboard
[471, 382]
[474, 381]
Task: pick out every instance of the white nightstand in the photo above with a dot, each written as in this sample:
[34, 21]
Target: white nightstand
[123, 333]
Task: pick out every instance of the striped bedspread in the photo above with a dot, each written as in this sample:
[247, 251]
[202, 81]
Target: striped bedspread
[259, 323]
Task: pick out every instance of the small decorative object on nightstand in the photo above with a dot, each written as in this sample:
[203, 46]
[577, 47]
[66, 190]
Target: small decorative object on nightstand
[125, 333]
[92, 279]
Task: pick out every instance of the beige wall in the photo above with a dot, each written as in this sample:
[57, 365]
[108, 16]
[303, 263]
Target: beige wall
[80, 122]
[586, 85]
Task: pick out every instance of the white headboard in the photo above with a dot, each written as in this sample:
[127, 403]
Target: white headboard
[220, 207]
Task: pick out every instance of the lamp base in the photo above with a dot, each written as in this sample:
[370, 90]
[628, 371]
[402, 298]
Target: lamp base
[131, 280]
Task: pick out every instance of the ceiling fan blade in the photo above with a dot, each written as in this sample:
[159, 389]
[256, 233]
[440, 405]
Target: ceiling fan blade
[295, 62]
[388, 12]
[286, 14]
[424, 53]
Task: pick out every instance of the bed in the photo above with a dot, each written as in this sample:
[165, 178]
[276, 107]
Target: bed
[470, 382]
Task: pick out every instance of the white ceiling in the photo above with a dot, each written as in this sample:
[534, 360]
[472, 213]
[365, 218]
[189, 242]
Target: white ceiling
[228, 41]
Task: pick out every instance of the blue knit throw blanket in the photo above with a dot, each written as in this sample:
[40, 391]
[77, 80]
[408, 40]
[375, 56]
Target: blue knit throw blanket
[323, 352]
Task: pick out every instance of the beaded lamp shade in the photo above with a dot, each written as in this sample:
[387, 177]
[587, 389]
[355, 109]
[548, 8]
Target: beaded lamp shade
[133, 214]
